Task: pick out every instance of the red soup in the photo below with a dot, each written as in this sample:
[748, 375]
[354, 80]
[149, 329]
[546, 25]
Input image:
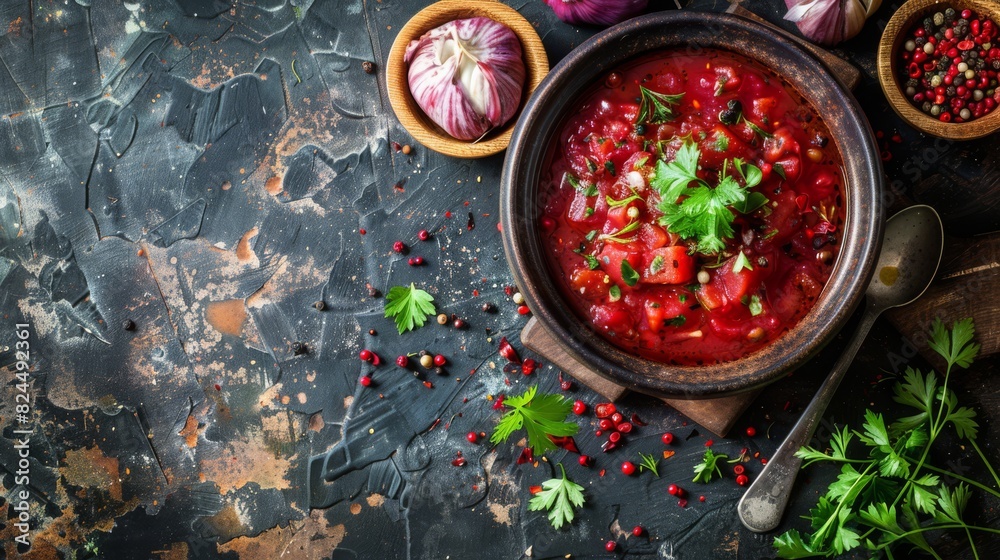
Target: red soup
[692, 207]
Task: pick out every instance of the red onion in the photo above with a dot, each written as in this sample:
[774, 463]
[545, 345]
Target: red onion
[467, 75]
[596, 12]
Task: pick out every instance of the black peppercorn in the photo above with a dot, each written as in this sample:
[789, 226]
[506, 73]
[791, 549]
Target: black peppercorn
[950, 91]
[128, 324]
[640, 129]
[489, 307]
[320, 305]
[368, 67]
[299, 349]
[459, 323]
[731, 114]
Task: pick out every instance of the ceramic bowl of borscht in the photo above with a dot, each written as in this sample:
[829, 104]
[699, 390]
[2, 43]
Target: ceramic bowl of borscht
[691, 204]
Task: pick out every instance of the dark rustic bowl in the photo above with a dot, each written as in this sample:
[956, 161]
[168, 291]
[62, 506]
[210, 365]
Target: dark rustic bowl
[560, 92]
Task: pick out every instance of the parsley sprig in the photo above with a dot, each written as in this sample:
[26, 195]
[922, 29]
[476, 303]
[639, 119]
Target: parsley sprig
[702, 212]
[894, 495]
[559, 496]
[409, 307]
[540, 415]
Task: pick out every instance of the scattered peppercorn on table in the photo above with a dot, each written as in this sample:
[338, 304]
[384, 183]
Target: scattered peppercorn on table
[247, 316]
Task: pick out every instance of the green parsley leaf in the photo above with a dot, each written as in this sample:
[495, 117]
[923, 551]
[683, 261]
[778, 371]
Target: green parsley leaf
[610, 167]
[708, 467]
[755, 306]
[753, 201]
[572, 180]
[410, 307]
[780, 170]
[588, 211]
[791, 545]
[614, 293]
[656, 108]
[671, 179]
[629, 275]
[559, 496]
[592, 262]
[677, 321]
[591, 165]
[957, 348]
[962, 418]
[649, 462]
[540, 415]
[721, 143]
[591, 235]
[590, 190]
[704, 213]
[640, 162]
[656, 265]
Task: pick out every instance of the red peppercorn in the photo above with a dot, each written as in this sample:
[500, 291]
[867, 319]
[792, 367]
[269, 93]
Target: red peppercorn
[615, 437]
[585, 460]
[637, 531]
[625, 427]
[402, 361]
[682, 503]
[617, 418]
[739, 469]
[610, 546]
[605, 424]
[415, 261]
[701, 498]
[458, 462]
[675, 490]
[523, 310]
[473, 437]
[423, 235]
[440, 360]
[366, 355]
[742, 480]
[548, 223]
[667, 438]
[399, 247]
[603, 410]
[528, 366]
[628, 468]
[579, 407]
[751, 431]
[365, 381]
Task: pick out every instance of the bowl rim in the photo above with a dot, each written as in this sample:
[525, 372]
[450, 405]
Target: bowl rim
[892, 38]
[409, 114]
[863, 223]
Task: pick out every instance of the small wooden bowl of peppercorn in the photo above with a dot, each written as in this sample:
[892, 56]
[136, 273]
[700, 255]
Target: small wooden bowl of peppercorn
[938, 63]
[410, 115]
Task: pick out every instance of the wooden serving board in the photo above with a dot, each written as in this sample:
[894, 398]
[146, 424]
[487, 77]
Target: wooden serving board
[715, 415]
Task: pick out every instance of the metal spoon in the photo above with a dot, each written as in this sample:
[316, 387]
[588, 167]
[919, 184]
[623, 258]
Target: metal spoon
[911, 252]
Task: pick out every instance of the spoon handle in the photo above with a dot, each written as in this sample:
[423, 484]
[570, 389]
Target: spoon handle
[763, 504]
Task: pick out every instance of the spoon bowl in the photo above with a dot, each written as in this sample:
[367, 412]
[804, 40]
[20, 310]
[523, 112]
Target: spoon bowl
[910, 251]
[908, 262]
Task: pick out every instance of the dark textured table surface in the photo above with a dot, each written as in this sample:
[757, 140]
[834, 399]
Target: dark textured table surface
[180, 182]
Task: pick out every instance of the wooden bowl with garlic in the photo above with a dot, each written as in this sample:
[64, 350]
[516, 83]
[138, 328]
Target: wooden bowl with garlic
[436, 83]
